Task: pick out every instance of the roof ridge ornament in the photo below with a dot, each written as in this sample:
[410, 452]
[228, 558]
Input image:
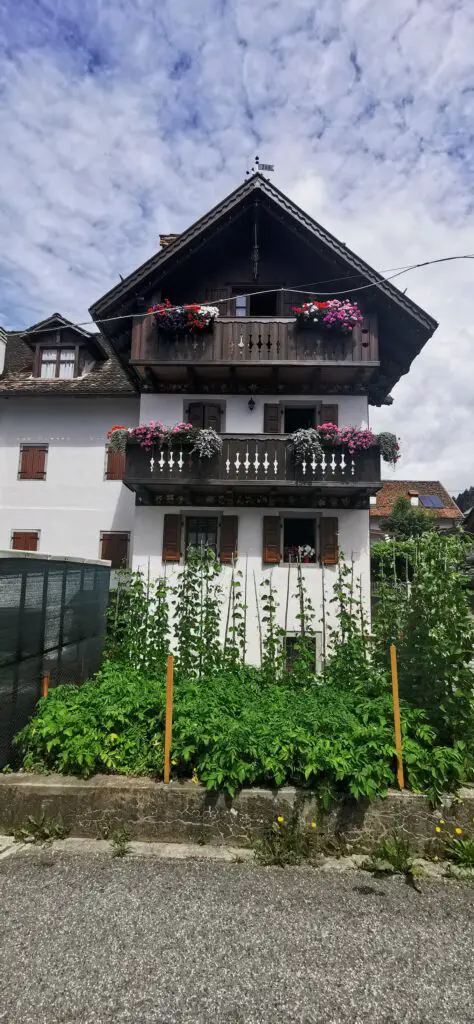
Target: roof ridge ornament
[259, 167]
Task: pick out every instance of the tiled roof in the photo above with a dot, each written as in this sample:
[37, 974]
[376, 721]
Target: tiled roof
[105, 378]
[393, 489]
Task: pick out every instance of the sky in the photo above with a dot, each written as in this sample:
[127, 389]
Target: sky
[121, 119]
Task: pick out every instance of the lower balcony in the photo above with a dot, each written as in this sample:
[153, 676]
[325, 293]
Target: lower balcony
[252, 470]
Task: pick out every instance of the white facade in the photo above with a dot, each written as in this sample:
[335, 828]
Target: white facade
[75, 504]
[353, 524]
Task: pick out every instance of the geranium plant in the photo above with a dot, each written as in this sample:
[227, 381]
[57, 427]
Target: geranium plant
[175, 320]
[304, 444]
[340, 315]
[300, 553]
[204, 443]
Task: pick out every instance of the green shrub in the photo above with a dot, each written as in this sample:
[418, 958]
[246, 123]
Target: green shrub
[234, 730]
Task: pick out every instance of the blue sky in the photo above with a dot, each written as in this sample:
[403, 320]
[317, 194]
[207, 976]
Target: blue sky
[120, 120]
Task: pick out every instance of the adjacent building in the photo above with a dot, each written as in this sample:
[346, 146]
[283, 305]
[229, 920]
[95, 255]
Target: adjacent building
[257, 375]
[427, 494]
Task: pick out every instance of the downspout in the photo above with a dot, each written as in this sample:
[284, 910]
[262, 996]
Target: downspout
[3, 348]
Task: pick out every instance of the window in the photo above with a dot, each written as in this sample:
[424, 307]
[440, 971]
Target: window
[431, 501]
[25, 540]
[299, 417]
[240, 305]
[115, 465]
[292, 641]
[201, 531]
[32, 462]
[299, 538]
[204, 414]
[57, 362]
[114, 548]
[263, 305]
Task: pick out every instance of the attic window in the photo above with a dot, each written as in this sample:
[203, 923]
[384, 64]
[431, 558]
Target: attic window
[431, 501]
[57, 363]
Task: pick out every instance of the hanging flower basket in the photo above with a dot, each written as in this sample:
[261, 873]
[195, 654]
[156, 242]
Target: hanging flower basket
[178, 321]
[339, 316]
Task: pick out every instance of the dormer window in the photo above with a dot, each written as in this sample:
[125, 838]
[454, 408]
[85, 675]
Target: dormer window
[58, 362]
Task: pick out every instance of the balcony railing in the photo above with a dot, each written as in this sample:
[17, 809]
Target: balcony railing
[234, 340]
[248, 460]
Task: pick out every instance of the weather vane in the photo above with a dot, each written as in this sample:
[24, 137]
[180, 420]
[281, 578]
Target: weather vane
[258, 167]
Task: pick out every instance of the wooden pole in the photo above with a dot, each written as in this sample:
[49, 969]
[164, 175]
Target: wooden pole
[45, 685]
[396, 716]
[169, 716]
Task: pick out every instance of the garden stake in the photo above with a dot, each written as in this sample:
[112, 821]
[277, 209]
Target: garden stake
[323, 619]
[169, 716]
[45, 685]
[287, 594]
[244, 648]
[396, 716]
[258, 616]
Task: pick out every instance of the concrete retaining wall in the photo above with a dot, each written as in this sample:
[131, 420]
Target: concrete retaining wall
[184, 812]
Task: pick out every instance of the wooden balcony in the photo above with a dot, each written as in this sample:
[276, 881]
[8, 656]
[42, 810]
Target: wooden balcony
[241, 351]
[250, 465]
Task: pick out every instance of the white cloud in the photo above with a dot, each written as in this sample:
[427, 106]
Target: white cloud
[121, 120]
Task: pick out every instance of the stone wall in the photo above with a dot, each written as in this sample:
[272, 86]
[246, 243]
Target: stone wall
[184, 812]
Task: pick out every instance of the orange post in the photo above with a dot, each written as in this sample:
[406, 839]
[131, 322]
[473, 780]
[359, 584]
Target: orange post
[45, 685]
[169, 716]
[396, 716]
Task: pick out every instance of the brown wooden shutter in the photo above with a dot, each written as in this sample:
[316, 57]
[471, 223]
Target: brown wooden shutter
[115, 465]
[171, 538]
[330, 414]
[290, 300]
[271, 419]
[215, 294]
[196, 414]
[114, 548]
[229, 539]
[24, 541]
[33, 463]
[328, 534]
[212, 416]
[271, 540]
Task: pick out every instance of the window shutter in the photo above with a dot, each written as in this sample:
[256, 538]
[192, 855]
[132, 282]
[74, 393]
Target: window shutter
[215, 294]
[271, 419]
[196, 414]
[229, 538]
[23, 541]
[171, 538]
[32, 463]
[330, 414]
[329, 548]
[114, 549]
[271, 540]
[212, 417]
[115, 465]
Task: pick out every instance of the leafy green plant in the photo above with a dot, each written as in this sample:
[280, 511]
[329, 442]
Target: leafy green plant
[407, 520]
[451, 843]
[43, 830]
[138, 622]
[120, 842]
[273, 653]
[235, 631]
[197, 613]
[392, 853]
[286, 842]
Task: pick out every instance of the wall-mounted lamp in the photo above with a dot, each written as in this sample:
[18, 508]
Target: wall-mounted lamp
[251, 404]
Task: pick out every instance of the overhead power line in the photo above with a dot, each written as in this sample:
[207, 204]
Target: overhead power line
[299, 289]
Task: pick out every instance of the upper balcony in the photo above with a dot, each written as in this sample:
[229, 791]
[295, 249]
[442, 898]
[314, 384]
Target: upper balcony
[271, 353]
[252, 470]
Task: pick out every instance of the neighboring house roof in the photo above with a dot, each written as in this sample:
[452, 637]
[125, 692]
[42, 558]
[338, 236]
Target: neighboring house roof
[393, 489]
[105, 378]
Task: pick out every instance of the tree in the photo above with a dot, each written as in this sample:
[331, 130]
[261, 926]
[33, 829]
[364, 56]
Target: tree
[465, 500]
[407, 520]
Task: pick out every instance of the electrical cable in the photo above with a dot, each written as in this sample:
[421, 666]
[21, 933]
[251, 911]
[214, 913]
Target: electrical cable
[295, 289]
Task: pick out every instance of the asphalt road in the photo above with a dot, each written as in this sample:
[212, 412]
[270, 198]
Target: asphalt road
[91, 940]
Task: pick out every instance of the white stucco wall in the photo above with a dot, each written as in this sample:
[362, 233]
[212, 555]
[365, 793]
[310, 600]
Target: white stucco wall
[74, 504]
[353, 409]
[353, 541]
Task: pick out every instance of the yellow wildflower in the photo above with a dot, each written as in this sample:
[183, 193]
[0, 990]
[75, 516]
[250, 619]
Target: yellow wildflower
[458, 831]
[435, 858]
[280, 819]
[313, 824]
[437, 829]
[441, 821]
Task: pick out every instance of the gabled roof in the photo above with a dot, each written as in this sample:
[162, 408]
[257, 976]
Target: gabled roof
[393, 489]
[257, 184]
[54, 322]
[106, 378]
